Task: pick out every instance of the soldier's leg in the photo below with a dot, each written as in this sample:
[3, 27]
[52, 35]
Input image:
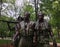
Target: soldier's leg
[40, 45]
[43, 45]
[47, 44]
[29, 44]
[25, 43]
[16, 42]
[22, 42]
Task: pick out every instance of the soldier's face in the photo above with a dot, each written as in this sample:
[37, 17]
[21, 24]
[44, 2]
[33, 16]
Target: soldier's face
[27, 16]
[40, 17]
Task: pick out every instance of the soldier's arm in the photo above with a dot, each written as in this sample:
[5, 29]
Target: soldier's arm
[17, 32]
[52, 36]
[50, 30]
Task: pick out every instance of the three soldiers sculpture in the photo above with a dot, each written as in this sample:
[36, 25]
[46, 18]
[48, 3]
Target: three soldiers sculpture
[33, 34]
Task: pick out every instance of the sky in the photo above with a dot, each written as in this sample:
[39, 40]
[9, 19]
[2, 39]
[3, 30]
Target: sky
[19, 4]
[10, 12]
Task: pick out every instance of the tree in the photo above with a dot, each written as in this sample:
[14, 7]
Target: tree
[52, 8]
[29, 8]
[4, 27]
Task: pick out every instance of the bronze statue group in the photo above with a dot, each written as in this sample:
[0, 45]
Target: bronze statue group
[32, 33]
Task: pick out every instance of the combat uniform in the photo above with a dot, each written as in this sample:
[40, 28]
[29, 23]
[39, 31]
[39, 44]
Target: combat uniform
[16, 36]
[26, 34]
[42, 33]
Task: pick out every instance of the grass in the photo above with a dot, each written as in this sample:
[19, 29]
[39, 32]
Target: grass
[5, 41]
[57, 40]
[9, 41]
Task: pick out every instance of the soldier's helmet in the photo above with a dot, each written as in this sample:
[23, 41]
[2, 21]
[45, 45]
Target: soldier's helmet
[27, 14]
[40, 14]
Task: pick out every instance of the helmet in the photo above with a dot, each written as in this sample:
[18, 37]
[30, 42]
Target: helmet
[41, 14]
[27, 13]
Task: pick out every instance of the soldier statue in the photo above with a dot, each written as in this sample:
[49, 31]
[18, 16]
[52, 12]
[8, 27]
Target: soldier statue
[17, 36]
[43, 30]
[27, 27]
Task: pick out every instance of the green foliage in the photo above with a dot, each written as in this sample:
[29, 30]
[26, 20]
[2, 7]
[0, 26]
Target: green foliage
[29, 8]
[4, 27]
[11, 1]
[53, 8]
[4, 0]
[5, 41]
